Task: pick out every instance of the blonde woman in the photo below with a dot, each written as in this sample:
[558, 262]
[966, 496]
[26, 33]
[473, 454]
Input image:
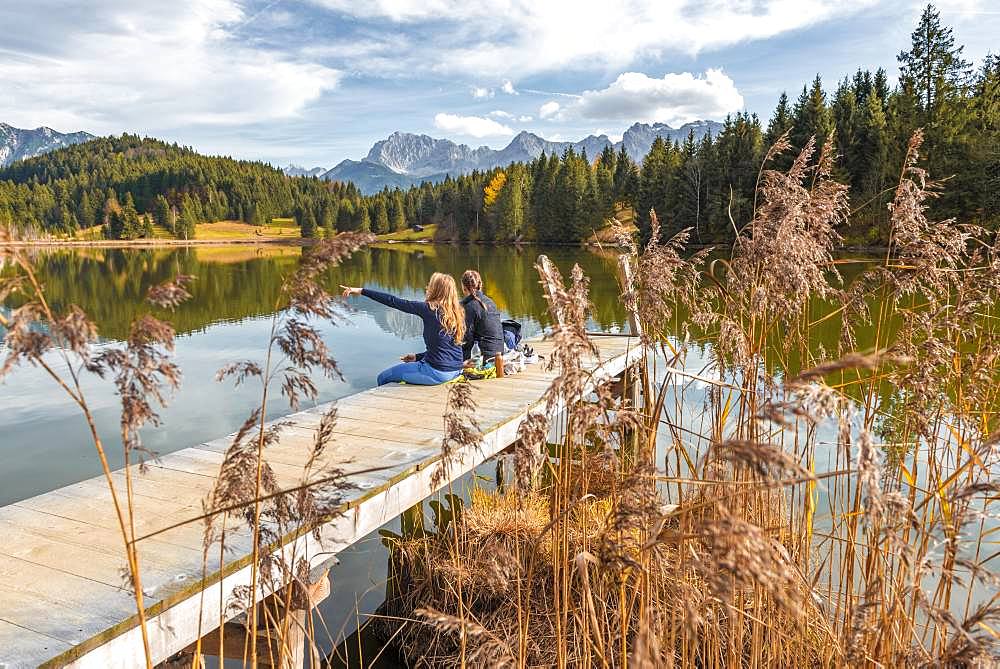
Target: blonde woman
[444, 331]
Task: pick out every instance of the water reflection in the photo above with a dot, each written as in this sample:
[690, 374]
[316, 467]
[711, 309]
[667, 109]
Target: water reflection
[237, 289]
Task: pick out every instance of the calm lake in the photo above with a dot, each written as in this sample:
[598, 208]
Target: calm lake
[43, 440]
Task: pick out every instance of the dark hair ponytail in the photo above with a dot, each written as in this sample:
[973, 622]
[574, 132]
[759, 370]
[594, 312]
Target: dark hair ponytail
[472, 282]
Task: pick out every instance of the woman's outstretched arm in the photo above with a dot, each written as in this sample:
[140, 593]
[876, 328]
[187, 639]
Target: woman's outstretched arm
[408, 306]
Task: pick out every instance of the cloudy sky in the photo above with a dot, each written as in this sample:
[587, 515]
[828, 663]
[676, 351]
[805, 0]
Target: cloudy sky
[315, 81]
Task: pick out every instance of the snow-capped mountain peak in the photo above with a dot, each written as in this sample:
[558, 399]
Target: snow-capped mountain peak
[18, 143]
[299, 171]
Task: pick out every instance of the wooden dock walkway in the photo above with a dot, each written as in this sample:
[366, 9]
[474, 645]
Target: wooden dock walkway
[61, 597]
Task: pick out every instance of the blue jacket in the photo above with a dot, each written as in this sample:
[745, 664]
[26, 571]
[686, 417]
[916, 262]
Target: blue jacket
[443, 354]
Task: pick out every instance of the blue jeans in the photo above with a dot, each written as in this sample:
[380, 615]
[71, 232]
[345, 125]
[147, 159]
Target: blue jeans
[417, 373]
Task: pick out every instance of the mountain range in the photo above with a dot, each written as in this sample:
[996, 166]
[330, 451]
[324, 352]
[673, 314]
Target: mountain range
[404, 159]
[17, 144]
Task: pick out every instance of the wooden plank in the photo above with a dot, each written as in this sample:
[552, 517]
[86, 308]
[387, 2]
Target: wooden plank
[32, 649]
[72, 612]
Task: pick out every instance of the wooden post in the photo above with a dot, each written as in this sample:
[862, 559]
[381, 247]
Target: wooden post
[626, 278]
[544, 261]
[631, 375]
[291, 648]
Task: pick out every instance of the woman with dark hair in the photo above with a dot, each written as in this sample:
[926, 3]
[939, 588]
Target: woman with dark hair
[482, 319]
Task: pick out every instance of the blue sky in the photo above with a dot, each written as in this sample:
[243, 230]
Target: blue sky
[313, 82]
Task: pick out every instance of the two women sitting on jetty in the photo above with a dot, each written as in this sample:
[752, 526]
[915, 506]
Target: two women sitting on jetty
[451, 328]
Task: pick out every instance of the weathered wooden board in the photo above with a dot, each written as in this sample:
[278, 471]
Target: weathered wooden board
[61, 553]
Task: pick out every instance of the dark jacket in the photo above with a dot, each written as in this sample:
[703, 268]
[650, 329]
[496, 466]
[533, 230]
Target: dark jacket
[482, 326]
[443, 354]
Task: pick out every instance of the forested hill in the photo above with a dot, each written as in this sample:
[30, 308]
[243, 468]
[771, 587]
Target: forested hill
[127, 183]
[111, 180]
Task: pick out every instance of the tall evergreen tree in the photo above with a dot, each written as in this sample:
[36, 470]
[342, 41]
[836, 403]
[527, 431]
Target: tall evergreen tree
[85, 211]
[380, 225]
[161, 213]
[781, 121]
[811, 117]
[654, 183]
[626, 179]
[362, 219]
[935, 66]
[398, 218]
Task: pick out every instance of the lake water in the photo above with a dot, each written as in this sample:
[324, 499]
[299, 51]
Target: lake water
[44, 444]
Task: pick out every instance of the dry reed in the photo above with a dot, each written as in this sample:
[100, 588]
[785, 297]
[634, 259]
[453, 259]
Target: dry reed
[705, 531]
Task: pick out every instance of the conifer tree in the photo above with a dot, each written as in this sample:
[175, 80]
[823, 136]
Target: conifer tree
[653, 183]
[161, 213]
[362, 219]
[935, 67]
[381, 223]
[345, 215]
[780, 123]
[85, 212]
[811, 117]
[328, 219]
[626, 179]
[307, 223]
[398, 221]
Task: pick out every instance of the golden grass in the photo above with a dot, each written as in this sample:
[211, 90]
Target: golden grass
[607, 235]
[241, 230]
[409, 235]
[245, 252]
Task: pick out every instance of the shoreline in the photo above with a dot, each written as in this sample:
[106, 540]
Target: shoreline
[151, 243]
[167, 243]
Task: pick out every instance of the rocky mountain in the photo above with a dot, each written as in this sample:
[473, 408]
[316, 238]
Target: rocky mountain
[17, 144]
[372, 177]
[420, 155]
[297, 171]
[639, 138]
[403, 159]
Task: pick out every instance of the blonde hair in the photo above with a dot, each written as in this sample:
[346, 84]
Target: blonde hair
[442, 296]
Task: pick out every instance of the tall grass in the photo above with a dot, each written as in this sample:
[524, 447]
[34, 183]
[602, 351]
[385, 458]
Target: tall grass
[780, 506]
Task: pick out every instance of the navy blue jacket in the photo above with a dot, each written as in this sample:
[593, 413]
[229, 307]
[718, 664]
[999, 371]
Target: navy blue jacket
[443, 354]
[482, 326]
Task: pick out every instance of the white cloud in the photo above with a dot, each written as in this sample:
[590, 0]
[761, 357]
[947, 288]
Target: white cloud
[143, 65]
[527, 36]
[674, 98]
[549, 109]
[499, 113]
[508, 88]
[482, 93]
[471, 126]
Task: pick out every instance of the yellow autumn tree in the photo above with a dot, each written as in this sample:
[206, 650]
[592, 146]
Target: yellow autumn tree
[493, 188]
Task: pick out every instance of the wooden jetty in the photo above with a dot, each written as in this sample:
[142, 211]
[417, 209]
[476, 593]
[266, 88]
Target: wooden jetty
[62, 600]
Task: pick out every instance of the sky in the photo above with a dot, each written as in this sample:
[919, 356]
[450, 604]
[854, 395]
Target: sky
[312, 82]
